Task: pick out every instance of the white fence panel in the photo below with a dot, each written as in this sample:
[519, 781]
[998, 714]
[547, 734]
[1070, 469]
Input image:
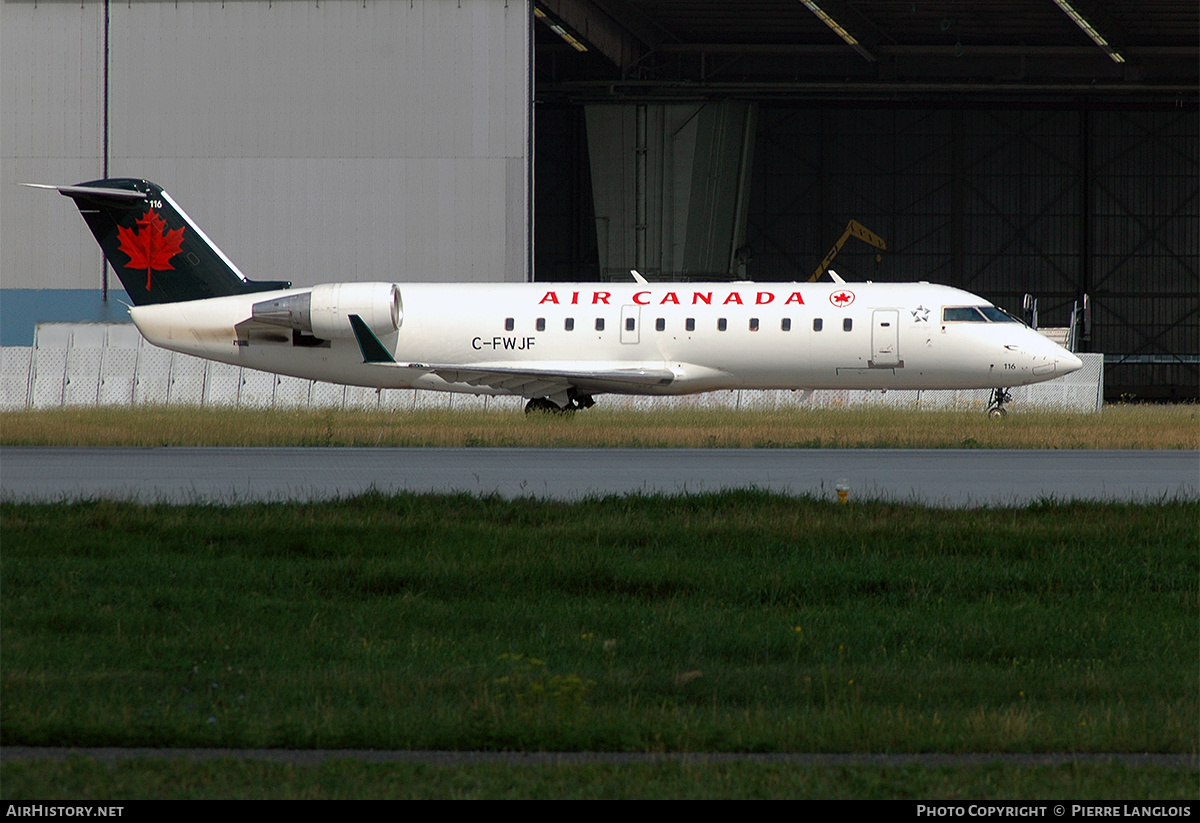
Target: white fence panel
[361, 397]
[292, 392]
[187, 381]
[153, 384]
[399, 399]
[49, 375]
[327, 396]
[82, 384]
[118, 376]
[15, 377]
[258, 389]
[86, 364]
[221, 385]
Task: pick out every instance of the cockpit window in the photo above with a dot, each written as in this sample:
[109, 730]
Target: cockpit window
[976, 314]
[997, 315]
[962, 314]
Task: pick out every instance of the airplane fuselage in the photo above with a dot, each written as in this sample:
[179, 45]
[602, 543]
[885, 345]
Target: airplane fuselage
[698, 336]
[558, 343]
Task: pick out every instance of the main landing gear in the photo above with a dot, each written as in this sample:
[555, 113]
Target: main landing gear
[543, 404]
[996, 408]
[575, 402]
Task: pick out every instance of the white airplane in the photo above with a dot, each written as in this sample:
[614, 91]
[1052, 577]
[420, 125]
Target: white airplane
[557, 344]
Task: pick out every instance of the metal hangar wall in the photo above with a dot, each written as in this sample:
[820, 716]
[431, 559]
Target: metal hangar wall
[1041, 147]
[313, 141]
[1055, 203]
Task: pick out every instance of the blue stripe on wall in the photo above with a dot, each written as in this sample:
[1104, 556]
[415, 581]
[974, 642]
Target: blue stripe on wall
[22, 309]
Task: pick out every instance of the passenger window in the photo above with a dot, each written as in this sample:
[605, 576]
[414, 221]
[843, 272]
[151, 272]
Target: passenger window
[818, 324]
[785, 324]
[569, 324]
[629, 323]
[508, 324]
[721, 324]
[541, 324]
[599, 324]
[753, 324]
[660, 324]
[847, 324]
[690, 324]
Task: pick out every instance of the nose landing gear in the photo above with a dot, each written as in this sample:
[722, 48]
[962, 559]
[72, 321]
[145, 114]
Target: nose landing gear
[996, 408]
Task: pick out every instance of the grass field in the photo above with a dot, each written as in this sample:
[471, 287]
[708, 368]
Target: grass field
[82, 778]
[733, 622]
[1116, 427]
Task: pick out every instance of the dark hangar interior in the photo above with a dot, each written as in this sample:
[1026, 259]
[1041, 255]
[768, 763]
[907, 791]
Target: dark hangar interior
[1048, 148]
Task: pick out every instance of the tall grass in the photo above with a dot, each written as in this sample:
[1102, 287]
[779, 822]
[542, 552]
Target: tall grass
[1116, 427]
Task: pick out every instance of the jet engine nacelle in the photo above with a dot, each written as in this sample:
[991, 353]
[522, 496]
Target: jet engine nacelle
[324, 311]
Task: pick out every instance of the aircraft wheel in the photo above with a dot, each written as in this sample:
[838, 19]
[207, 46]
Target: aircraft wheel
[577, 401]
[996, 408]
[541, 404]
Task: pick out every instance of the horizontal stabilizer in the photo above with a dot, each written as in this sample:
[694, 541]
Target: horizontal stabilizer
[90, 191]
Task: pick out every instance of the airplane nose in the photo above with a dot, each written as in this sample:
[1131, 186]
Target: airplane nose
[1066, 363]
[1049, 359]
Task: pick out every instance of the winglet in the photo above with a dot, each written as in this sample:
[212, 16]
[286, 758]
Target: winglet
[372, 350]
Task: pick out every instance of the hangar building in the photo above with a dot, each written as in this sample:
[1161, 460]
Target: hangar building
[1048, 148]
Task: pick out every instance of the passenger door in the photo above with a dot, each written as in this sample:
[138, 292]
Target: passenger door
[885, 339]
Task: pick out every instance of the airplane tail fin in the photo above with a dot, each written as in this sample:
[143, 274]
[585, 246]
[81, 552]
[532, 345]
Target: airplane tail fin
[159, 254]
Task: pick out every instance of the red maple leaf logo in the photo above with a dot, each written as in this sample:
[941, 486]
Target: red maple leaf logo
[843, 298]
[151, 247]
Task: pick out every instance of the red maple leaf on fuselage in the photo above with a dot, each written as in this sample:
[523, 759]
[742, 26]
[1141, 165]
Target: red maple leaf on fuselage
[151, 247]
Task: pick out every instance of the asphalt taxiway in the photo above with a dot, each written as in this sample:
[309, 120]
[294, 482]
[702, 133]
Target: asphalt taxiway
[935, 477]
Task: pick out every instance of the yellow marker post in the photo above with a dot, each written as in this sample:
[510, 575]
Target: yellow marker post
[843, 491]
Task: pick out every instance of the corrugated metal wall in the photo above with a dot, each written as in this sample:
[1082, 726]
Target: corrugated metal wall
[1145, 265]
[1057, 203]
[1020, 195]
[669, 186]
[343, 140]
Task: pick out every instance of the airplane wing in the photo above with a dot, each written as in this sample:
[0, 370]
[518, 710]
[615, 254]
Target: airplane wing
[527, 380]
[535, 381]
